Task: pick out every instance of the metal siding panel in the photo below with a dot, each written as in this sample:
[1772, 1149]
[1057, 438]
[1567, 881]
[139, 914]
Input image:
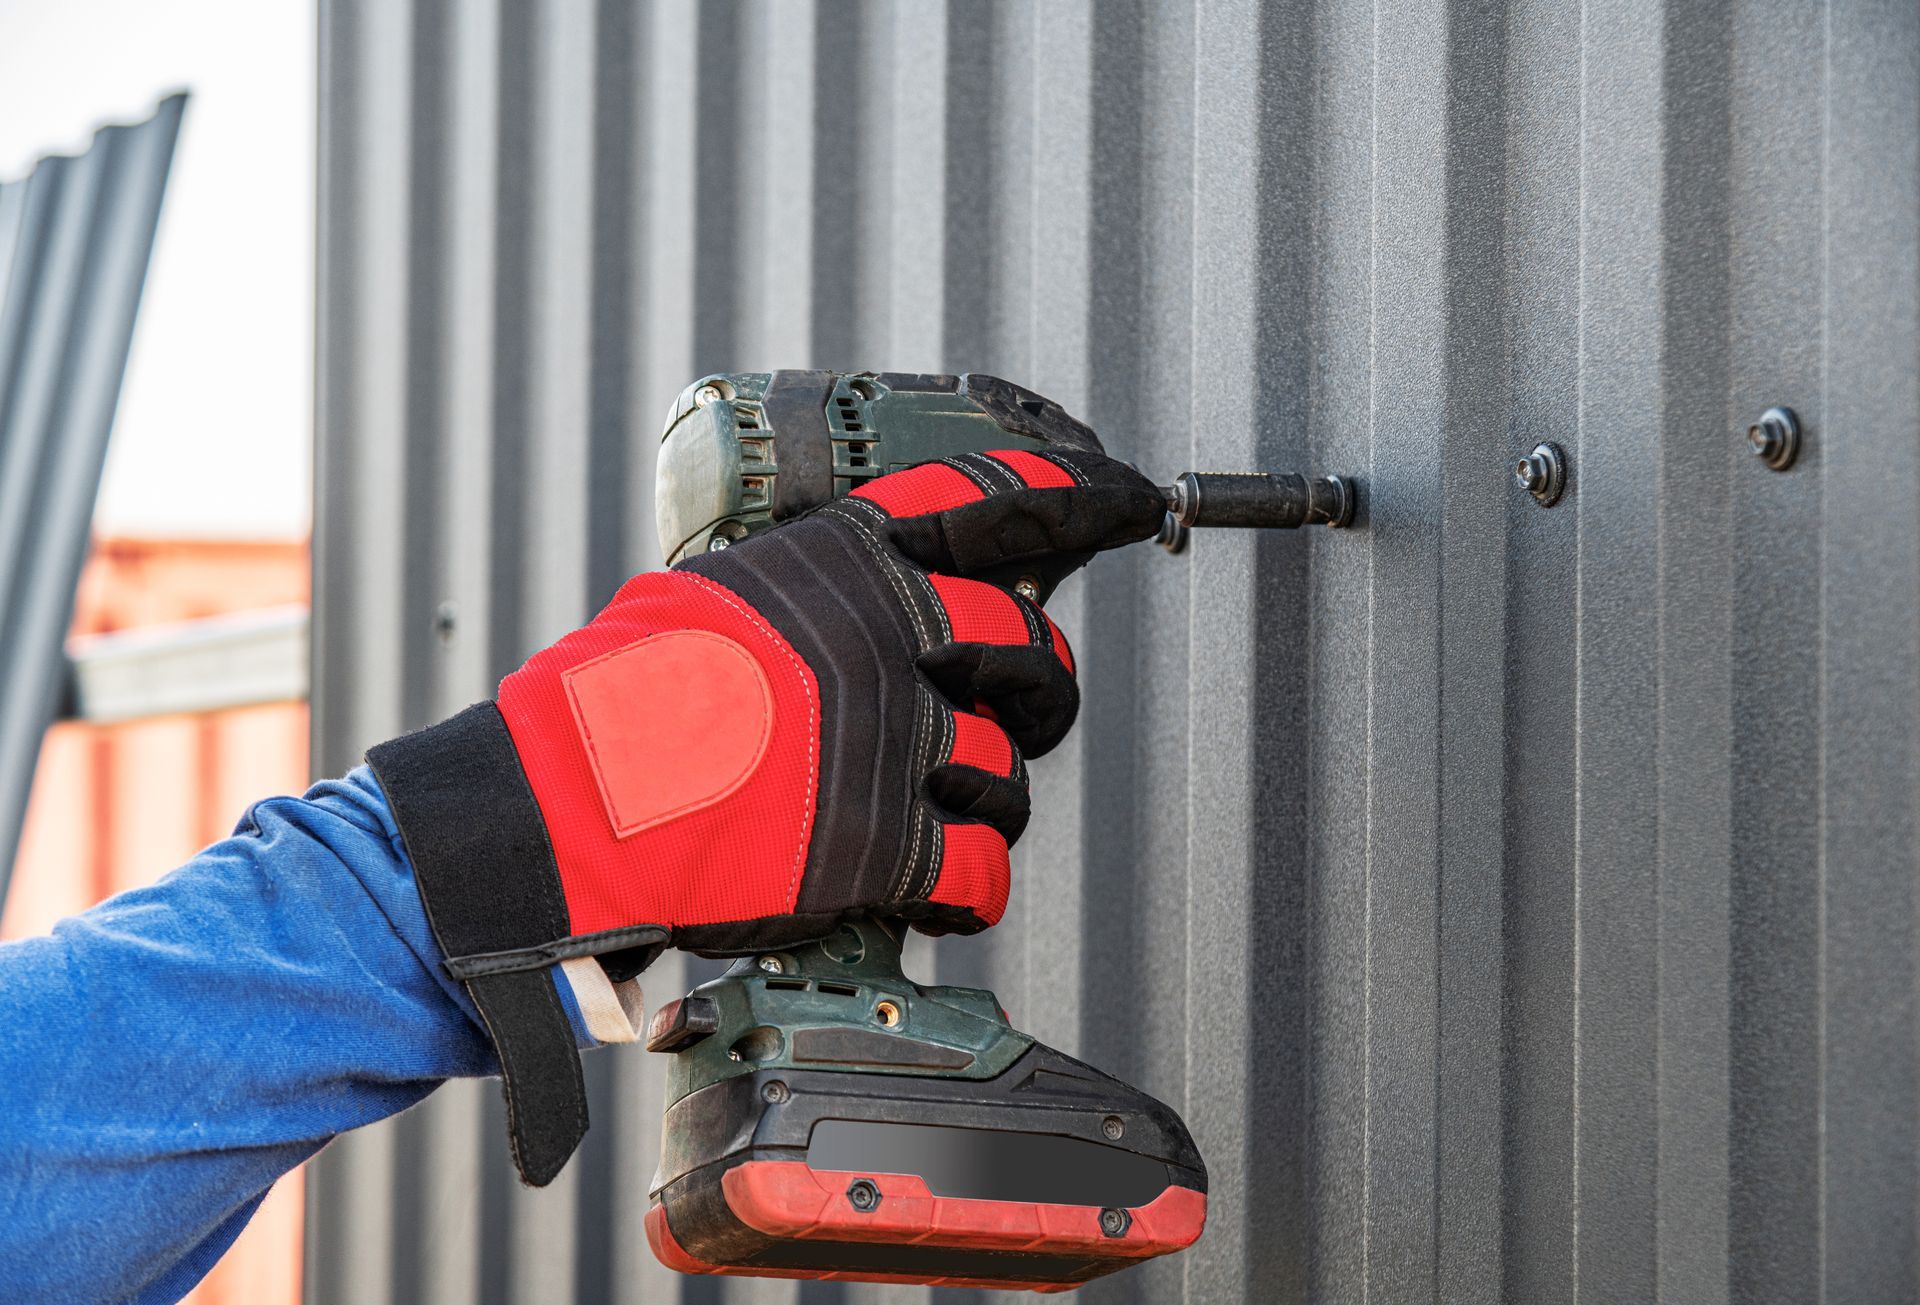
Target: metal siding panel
[1616, 809]
[919, 172]
[1472, 548]
[1778, 284]
[75, 237]
[1409, 307]
[1222, 577]
[1506, 894]
[1340, 689]
[1694, 693]
[1542, 309]
[1870, 594]
[462, 610]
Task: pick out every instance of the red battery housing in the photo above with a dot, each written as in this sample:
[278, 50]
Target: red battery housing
[1046, 1177]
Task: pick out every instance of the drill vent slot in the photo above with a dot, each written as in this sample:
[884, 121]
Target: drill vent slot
[839, 989]
[753, 491]
[787, 985]
[754, 450]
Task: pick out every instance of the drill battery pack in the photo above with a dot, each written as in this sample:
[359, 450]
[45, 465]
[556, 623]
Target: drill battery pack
[874, 1130]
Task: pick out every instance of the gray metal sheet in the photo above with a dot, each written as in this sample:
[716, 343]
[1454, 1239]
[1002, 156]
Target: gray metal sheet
[1518, 902]
[75, 235]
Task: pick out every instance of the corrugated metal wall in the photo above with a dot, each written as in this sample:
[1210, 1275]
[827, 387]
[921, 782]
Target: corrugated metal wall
[1519, 902]
[75, 234]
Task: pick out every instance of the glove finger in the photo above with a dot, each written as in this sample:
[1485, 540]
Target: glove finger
[982, 778]
[977, 795]
[1007, 653]
[977, 612]
[970, 893]
[1028, 690]
[982, 511]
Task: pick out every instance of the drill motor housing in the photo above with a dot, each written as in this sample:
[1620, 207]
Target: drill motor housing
[744, 450]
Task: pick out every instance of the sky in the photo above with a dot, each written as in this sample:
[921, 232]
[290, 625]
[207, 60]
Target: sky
[214, 431]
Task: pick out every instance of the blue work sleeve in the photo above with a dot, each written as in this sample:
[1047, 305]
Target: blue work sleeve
[170, 1053]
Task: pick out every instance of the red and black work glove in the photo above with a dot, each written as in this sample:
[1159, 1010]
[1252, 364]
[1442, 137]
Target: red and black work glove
[827, 719]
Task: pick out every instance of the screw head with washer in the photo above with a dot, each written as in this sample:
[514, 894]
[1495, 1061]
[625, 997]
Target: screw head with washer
[1543, 473]
[1775, 438]
[863, 1195]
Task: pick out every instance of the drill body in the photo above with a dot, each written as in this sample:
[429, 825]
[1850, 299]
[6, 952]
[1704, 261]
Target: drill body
[827, 1116]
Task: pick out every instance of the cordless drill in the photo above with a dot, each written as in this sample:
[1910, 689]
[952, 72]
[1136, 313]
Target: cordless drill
[827, 1116]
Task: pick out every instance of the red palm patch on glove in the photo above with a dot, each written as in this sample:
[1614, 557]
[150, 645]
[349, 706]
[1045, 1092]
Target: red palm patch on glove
[684, 868]
[672, 723]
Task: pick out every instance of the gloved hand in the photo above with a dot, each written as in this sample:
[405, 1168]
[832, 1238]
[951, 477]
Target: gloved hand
[824, 720]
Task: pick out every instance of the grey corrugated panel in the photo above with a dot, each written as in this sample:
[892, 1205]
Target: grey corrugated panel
[75, 235]
[1519, 903]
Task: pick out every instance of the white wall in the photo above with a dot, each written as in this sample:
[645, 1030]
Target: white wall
[215, 423]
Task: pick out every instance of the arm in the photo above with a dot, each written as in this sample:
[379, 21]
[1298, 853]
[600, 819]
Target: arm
[169, 1054]
[824, 721]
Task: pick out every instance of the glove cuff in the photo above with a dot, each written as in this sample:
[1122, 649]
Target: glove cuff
[487, 877]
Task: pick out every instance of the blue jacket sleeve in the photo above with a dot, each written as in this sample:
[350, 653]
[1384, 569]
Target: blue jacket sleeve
[169, 1054]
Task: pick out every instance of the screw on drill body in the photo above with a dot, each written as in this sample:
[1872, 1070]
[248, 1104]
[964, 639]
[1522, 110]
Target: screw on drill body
[863, 1195]
[1114, 1222]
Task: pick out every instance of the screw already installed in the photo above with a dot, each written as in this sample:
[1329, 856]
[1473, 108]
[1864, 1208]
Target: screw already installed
[1543, 473]
[1775, 438]
[863, 1195]
[1114, 1222]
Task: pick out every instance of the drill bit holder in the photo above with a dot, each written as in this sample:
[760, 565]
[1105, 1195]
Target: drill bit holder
[1253, 500]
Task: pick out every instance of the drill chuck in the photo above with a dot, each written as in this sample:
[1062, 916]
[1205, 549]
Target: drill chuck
[1259, 500]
